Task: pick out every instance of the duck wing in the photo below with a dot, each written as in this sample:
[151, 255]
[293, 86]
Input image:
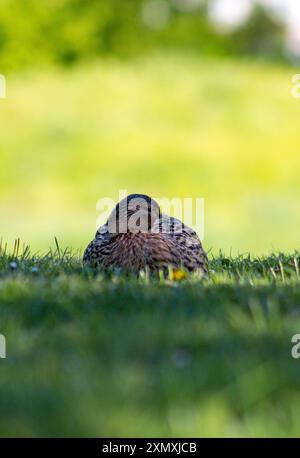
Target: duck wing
[185, 243]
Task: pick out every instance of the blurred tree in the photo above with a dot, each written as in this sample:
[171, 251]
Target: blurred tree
[65, 31]
[262, 34]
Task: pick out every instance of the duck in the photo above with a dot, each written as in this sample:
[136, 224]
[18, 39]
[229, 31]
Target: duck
[139, 237]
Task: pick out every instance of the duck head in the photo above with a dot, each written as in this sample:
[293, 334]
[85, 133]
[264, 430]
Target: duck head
[134, 214]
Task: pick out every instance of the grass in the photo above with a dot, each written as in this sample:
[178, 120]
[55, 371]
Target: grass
[92, 355]
[119, 356]
[165, 125]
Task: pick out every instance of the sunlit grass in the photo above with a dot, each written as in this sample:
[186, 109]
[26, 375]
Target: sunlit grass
[166, 126]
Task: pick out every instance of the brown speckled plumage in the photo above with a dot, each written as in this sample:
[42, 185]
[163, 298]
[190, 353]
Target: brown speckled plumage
[167, 243]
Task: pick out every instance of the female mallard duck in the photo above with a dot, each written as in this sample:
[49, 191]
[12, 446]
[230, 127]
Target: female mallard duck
[138, 237]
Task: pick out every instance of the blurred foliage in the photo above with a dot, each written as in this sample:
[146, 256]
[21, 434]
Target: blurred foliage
[65, 31]
[262, 35]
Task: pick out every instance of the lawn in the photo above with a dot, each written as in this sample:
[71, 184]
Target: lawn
[167, 125]
[92, 355]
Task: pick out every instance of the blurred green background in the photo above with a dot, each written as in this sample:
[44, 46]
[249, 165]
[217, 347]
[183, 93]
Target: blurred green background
[173, 98]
